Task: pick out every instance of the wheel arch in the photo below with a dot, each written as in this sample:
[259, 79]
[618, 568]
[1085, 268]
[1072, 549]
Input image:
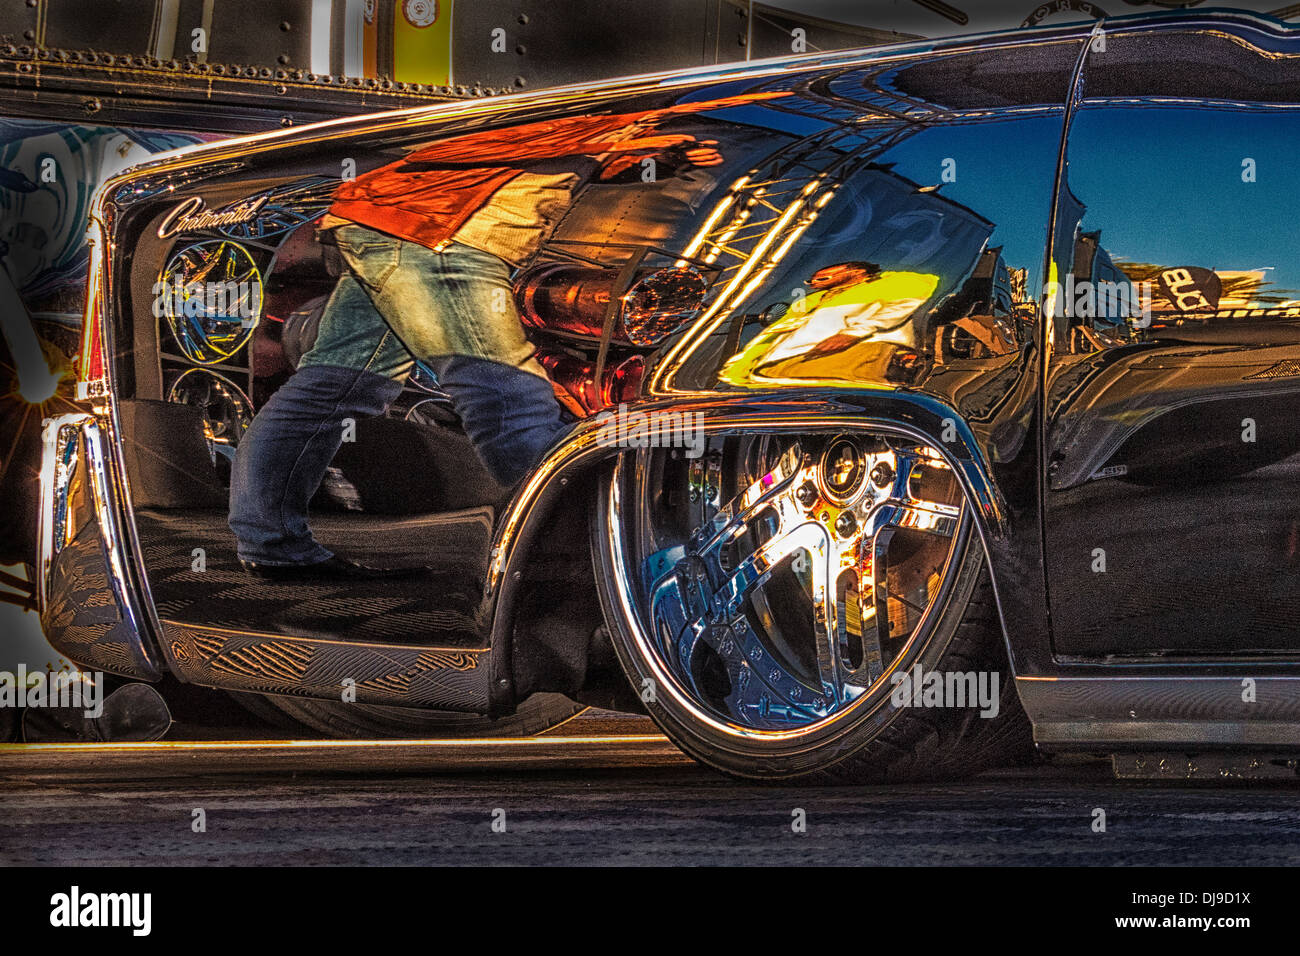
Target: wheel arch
[577, 461]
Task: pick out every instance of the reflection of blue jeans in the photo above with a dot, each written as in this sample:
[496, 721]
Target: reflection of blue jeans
[454, 310]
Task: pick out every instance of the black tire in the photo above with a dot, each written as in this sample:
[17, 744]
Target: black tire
[878, 743]
[537, 714]
[950, 744]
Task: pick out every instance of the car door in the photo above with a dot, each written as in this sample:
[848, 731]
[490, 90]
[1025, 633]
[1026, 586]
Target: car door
[1172, 418]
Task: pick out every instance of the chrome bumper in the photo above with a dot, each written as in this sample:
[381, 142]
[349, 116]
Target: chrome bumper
[89, 607]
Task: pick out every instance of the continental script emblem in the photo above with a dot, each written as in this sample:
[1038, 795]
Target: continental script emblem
[193, 215]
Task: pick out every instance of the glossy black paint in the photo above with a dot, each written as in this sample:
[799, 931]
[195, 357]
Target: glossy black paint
[1171, 435]
[981, 155]
[945, 166]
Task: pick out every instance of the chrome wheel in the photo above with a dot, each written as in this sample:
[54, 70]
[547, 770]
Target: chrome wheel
[781, 581]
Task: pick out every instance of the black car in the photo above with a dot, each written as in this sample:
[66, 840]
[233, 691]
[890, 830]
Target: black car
[957, 397]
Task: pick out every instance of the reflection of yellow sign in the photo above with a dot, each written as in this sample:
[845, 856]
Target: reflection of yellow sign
[422, 42]
[820, 329]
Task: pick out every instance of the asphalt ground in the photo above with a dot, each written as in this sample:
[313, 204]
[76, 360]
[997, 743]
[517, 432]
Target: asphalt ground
[600, 789]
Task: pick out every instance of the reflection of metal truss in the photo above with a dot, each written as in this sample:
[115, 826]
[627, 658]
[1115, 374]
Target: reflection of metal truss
[764, 212]
[287, 207]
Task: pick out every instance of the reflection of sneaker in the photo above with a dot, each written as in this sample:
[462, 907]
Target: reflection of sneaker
[133, 712]
[331, 569]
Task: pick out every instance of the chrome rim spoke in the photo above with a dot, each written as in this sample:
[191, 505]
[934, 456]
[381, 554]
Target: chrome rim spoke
[824, 567]
[875, 592]
[761, 686]
[735, 516]
[754, 570]
[823, 523]
[904, 509]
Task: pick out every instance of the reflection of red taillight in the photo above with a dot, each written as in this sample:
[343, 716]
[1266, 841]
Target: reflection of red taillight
[567, 299]
[574, 299]
[90, 367]
[91, 381]
[576, 378]
[622, 382]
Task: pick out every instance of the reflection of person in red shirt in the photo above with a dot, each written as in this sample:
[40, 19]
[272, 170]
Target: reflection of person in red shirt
[429, 242]
[426, 196]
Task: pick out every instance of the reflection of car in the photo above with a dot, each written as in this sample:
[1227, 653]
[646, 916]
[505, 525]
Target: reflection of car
[837, 570]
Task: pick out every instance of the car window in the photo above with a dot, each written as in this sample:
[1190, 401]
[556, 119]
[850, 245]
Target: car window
[1177, 217]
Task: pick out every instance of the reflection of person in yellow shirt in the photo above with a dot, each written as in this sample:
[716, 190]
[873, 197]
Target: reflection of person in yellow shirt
[853, 302]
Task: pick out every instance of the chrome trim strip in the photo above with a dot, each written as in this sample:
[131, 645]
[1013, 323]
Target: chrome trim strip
[95, 316]
[1138, 712]
[58, 433]
[128, 576]
[59, 461]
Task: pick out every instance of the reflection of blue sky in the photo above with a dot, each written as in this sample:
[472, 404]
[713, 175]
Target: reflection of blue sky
[1182, 203]
[1004, 168]
[758, 115]
[1164, 185]
[1004, 173]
